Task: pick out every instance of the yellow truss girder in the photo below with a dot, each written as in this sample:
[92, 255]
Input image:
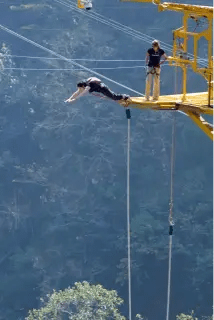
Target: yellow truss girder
[80, 4]
[179, 7]
[192, 104]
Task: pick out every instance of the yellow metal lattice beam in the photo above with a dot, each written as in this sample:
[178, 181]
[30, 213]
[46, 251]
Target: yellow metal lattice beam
[80, 4]
[179, 7]
[193, 104]
[202, 124]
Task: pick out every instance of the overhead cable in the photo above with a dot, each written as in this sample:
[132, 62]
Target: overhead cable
[64, 58]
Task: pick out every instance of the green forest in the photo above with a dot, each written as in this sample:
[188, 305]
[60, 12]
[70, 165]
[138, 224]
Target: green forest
[63, 224]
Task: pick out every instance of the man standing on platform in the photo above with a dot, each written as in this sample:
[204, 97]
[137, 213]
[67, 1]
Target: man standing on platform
[153, 62]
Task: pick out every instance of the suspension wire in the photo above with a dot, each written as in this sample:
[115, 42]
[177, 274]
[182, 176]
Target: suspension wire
[70, 69]
[144, 36]
[115, 24]
[104, 20]
[128, 115]
[64, 58]
[147, 37]
[83, 59]
[121, 27]
[171, 204]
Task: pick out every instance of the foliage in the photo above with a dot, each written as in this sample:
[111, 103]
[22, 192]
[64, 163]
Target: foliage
[63, 167]
[83, 301]
[183, 316]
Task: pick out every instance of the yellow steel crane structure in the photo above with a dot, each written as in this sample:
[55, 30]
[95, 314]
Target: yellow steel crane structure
[80, 4]
[193, 104]
[84, 4]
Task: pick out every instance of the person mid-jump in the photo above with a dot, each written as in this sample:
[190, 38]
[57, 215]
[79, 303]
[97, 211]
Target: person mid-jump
[95, 85]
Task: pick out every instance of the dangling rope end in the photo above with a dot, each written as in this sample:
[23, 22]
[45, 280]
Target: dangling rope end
[128, 114]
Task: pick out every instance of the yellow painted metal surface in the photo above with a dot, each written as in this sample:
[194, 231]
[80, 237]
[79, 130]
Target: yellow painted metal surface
[197, 102]
[180, 7]
[202, 124]
[80, 4]
[193, 104]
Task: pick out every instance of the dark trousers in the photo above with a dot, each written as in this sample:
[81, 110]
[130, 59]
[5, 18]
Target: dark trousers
[102, 88]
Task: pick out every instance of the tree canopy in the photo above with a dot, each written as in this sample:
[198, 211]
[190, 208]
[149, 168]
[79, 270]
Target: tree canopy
[83, 301]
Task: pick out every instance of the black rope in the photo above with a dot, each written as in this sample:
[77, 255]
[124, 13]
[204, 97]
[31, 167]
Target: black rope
[128, 114]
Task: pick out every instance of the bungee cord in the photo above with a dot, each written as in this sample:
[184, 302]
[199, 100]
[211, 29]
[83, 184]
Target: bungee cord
[171, 223]
[171, 203]
[128, 115]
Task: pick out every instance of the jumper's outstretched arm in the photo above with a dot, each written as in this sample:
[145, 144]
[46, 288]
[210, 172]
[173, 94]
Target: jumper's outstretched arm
[79, 93]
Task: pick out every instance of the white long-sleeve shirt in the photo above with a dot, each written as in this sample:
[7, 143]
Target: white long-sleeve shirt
[94, 79]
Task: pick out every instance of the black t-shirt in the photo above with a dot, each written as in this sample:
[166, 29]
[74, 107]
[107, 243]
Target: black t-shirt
[154, 57]
[94, 84]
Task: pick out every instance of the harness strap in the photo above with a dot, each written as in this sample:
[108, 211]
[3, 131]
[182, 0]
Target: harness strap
[153, 72]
